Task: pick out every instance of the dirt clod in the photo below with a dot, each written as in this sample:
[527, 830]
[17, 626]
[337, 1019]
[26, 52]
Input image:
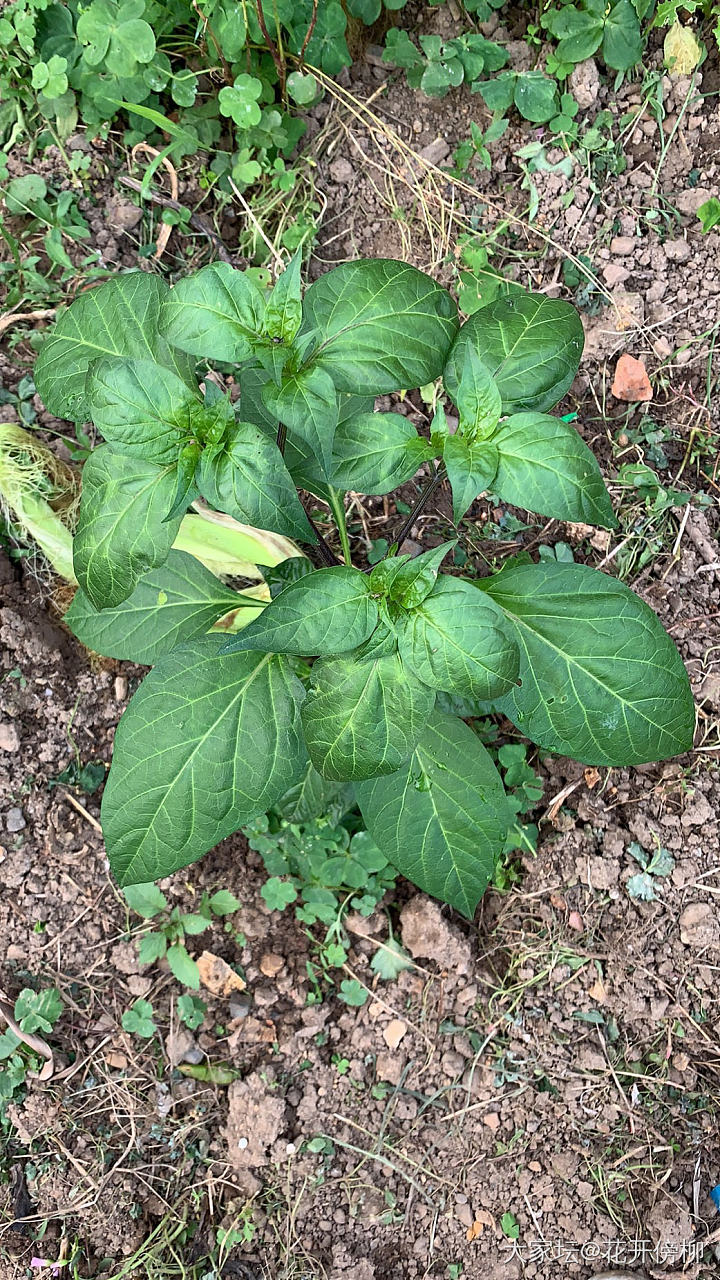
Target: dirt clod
[217, 975]
[255, 1120]
[427, 933]
[700, 926]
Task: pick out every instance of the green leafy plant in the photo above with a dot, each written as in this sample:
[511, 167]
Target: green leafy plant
[478, 282]
[154, 68]
[322, 862]
[35, 1012]
[168, 938]
[317, 855]
[440, 65]
[191, 1011]
[594, 26]
[55, 216]
[709, 214]
[336, 680]
[534, 94]
[654, 865]
[138, 1020]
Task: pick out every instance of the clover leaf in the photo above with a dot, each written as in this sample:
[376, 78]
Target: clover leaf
[240, 101]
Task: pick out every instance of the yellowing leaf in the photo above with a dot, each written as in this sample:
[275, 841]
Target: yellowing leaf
[682, 50]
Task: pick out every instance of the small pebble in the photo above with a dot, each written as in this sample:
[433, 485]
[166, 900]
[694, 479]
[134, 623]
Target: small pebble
[121, 688]
[194, 1055]
[14, 820]
[341, 171]
[9, 737]
[677, 250]
[271, 964]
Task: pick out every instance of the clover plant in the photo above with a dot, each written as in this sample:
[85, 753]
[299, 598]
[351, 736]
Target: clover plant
[348, 674]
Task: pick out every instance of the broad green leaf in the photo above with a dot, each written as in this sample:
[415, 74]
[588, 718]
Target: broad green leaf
[442, 819]
[601, 681]
[183, 967]
[223, 902]
[142, 409]
[119, 319]
[278, 894]
[578, 32]
[308, 406]
[303, 89]
[38, 1010]
[498, 92]
[240, 101]
[583, 44]
[536, 96]
[122, 531]
[283, 312]
[352, 993]
[363, 718]
[152, 947]
[709, 214]
[545, 466]
[390, 959]
[529, 343]
[478, 397]
[454, 642]
[300, 458]
[171, 604]
[408, 581]
[326, 612]
[380, 325]
[471, 468]
[249, 481]
[622, 45]
[216, 314]
[310, 797]
[193, 923]
[206, 743]
[145, 899]
[375, 452]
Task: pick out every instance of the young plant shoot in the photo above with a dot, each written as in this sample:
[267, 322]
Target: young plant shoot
[223, 727]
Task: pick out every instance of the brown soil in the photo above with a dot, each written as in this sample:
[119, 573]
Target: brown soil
[558, 1059]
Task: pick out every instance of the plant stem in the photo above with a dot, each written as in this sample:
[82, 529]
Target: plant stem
[308, 38]
[207, 30]
[281, 437]
[337, 506]
[326, 553]
[425, 495]
[272, 47]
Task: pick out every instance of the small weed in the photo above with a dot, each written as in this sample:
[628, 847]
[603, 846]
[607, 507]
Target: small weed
[326, 867]
[654, 866]
[320, 864]
[168, 939]
[352, 993]
[191, 1011]
[85, 777]
[138, 1020]
[35, 1012]
[509, 1226]
[709, 214]
[478, 282]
